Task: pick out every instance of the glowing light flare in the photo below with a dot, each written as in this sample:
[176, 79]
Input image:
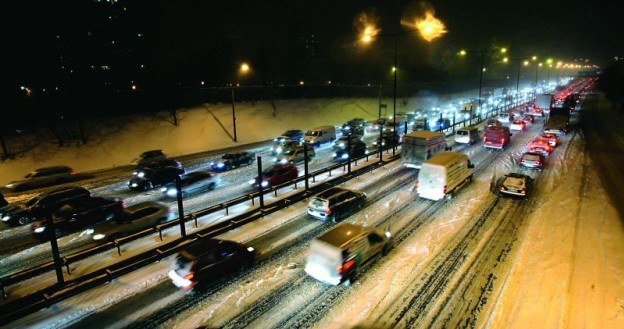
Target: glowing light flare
[244, 68]
[366, 26]
[369, 33]
[429, 27]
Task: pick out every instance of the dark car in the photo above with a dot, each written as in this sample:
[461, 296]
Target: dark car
[208, 260]
[161, 163]
[515, 185]
[79, 215]
[43, 177]
[193, 182]
[294, 155]
[441, 124]
[343, 141]
[388, 140]
[358, 149]
[3, 202]
[42, 205]
[354, 127]
[335, 203]
[276, 174]
[133, 219]
[148, 178]
[294, 134]
[230, 161]
[149, 156]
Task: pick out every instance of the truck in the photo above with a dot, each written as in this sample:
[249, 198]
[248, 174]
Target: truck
[418, 146]
[440, 176]
[543, 102]
[497, 137]
[558, 121]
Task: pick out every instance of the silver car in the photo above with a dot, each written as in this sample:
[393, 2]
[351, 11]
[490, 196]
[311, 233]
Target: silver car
[294, 155]
[134, 219]
[193, 182]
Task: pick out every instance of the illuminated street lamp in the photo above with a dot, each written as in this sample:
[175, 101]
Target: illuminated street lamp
[524, 62]
[482, 69]
[244, 69]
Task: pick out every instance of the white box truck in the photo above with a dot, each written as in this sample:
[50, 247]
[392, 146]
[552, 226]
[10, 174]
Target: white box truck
[440, 176]
[544, 102]
[418, 146]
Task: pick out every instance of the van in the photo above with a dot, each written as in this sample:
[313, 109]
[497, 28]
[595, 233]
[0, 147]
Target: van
[440, 176]
[467, 135]
[497, 137]
[320, 135]
[418, 146]
[337, 255]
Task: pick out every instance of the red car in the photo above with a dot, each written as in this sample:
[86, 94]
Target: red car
[540, 145]
[537, 112]
[528, 118]
[551, 138]
[275, 175]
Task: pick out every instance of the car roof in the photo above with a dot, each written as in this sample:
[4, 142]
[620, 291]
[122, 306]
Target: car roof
[331, 192]
[53, 168]
[342, 234]
[516, 175]
[143, 205]
[202, 247]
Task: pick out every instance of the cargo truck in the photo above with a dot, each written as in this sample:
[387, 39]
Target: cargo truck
[418, 146]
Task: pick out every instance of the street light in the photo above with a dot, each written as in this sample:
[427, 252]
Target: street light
[482, 69]
[429, 28]
[244, 69]
[525, 63]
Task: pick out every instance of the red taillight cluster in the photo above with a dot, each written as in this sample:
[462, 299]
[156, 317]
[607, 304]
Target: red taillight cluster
[444, 190]
[346, 267]
[72, 172]
[328, 211]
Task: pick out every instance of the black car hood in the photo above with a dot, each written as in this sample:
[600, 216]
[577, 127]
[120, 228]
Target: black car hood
[14, 209]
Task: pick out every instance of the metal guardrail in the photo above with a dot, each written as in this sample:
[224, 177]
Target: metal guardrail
[53, 294]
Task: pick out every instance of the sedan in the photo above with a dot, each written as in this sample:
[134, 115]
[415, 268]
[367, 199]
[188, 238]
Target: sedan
[551, 138]
[275, 175]
[43, 177]
[343, 141]
[149, 178]
[358, 149]
[515, 184]
[294, 134]
[79, 215]
[541, 145]
[517, 125]
[533, 160]
[191, 183]
[233, 160]
[133, 219]
[388, 140]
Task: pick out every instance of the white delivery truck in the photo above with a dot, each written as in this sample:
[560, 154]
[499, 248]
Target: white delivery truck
[418, 146]
[440, 176]
[320, 135]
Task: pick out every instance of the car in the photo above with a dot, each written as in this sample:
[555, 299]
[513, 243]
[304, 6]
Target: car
[230, 161]
[208, 260]
[149, 156]
[517, 125]
[528, 118]
[358, 149]
[505, 118]
[375, 125]
[293, 134]
[191, 183]
[353, 126]
[342, 142]
[388, 140]
[492, 123]
[275, 175]
[294, 155]
[78, 215]
[551, 138]
[42, 205]
[540, 145]
[43, 177]
[149, 177]
[160, 163]
[441, 124]
[532, 160]
[337, 255]
[467, 135]
[281, 145]
[131, 220]
[515, 184]
[335, 203]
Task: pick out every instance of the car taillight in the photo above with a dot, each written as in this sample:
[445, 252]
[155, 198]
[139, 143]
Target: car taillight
[503, 140]
[72, 172]
[328, 211]
[189, 276]
[344, 268]
[444, 190]
[123, 204]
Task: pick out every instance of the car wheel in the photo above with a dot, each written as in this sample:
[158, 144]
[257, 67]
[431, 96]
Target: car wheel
[351, 279]
[334, 218]
[386, 249]
[23, 221]
[212, 186]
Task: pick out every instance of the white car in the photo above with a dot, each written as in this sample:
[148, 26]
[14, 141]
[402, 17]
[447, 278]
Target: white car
[515, 184]
[505, 118]
[518, 125]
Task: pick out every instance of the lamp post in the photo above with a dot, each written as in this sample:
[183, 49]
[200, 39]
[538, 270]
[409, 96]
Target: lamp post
[244, 68]
[482, 54]
[524, 62]
[536, 73]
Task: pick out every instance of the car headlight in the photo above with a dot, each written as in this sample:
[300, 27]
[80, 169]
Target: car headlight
[275, 140]
[251, 182]
[274, 160]
[98, 236]
[388, 234]
[383, 143]
[265, 184]
[6, 218]
[502, 188]
[212, 163]
[164, 189]
[278, 150]
[140, 174]
[10, 185]
[345, 156]
[341, 144]
[334, 154]
[172, 192]
[220, 164]
[284, 161]
[40, 229]
[134, 184]
[250, 249]
[89, 231]
[347, 128]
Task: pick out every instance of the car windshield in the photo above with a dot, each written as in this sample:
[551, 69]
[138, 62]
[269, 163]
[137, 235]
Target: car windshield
[32, 202]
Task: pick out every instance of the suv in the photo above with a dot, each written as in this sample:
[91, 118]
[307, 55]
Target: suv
[337, 255]
[335, 203]
[42, 205]
[358, 149]
[294, 155]
[44, 177]
[275, 175]
[149, 156]
[209, 260]
[467, 135]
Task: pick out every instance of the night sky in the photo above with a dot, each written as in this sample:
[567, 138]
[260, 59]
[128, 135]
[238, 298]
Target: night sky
[206, 39]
